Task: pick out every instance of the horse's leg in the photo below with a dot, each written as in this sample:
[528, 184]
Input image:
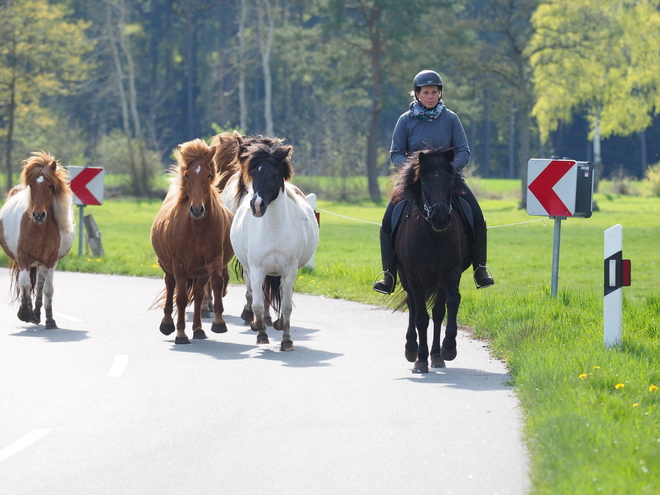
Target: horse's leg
[258, 325]
[207, 302]
[199, 290]
[39, 295]
[287, 307]
[422, 323]
[45, 280]
[411, 333]
[167, 324]
[448, 351]
[247, 315]
[25, 312]
[219, 286]
[438, 317]
[181, 304]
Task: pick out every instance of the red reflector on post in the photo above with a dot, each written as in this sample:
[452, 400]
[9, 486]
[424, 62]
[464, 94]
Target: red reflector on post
[625, 273]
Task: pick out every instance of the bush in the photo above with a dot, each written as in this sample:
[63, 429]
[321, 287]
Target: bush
[652, 179]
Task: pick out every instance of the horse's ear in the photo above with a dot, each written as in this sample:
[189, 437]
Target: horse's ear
[449, 154]
[53, 166]
[210, 153]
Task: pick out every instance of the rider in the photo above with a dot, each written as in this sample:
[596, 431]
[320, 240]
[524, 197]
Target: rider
[428, 124]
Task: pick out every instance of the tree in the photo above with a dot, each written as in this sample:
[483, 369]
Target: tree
[42, 54]
[599, 57]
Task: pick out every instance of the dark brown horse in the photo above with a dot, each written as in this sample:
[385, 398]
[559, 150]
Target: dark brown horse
[433, 252]
[36, 231]
[190, 236]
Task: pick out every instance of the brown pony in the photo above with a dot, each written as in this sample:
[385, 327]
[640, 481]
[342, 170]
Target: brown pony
[190, 236]
[36, 231]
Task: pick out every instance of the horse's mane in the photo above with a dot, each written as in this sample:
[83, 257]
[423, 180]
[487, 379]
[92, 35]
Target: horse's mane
[259, 148]
[44, 163]
[228, 147]
[407, 178]
[184, 154]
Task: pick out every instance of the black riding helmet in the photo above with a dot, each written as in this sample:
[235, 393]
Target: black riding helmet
[427, 78]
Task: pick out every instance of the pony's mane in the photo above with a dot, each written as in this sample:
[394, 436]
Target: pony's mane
[275, 153]
[228, 147]
[245, 155]
[44, 163]
[407, 179]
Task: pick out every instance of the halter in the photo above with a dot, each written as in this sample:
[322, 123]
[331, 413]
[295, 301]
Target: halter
[426, 212]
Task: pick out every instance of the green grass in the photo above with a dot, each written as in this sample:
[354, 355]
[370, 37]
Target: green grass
[584, 435]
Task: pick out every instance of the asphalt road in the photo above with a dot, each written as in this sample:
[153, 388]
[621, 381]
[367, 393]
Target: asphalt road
[107, 404]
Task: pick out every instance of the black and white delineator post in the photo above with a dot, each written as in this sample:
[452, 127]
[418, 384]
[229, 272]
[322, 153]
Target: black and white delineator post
[617, 275]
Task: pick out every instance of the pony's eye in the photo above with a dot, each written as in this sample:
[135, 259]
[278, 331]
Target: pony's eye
[185, 175]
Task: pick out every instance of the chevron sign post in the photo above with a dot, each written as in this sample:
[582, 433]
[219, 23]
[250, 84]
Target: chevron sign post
[559, 188]
[87, 185]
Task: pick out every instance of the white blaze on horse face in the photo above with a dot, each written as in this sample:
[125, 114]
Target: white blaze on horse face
[40, 179]
[198, 169]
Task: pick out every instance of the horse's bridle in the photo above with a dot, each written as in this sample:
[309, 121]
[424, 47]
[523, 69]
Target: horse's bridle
[426, 212]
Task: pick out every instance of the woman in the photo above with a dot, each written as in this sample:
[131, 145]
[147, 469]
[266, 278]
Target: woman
[428, 124]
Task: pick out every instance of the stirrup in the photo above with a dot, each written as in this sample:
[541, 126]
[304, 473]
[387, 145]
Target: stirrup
[488, 282]
[380, 285]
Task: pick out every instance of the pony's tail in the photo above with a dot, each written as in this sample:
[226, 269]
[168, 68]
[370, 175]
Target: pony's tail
[14, 286]
[272, 292]
[159, 301]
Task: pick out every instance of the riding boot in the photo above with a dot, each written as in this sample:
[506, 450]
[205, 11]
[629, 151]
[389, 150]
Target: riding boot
[482, 274]
[388, 282]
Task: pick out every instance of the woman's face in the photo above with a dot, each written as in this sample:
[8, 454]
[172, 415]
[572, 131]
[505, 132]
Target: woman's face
[429, 96]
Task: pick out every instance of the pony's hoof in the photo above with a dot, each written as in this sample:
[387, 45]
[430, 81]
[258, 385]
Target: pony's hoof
[448, 354]
[167, 328]
[181, 340]
[247, 316]
[199, 335]
[219, 327]
[278, 325]
[51, 325]
[420, 367]
[286, 345]
[437, 362]
[411, 356]
[262, 338]
[25, 315]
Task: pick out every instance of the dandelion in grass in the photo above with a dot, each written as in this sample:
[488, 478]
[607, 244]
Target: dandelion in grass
[635, 404]
[596, 367]
[653, 388]
[619, 386]
[583, 376]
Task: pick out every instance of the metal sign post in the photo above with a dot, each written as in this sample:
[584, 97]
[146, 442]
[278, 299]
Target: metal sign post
[87, 185]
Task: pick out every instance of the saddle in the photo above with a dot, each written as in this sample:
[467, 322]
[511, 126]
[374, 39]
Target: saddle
[457, 202]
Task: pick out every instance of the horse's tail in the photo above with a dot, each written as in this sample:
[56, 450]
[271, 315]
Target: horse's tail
[14, 286]
[160, 298]
[272, 291]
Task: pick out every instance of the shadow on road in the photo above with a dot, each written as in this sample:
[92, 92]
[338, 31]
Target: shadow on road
[463, 378]
[53, 335]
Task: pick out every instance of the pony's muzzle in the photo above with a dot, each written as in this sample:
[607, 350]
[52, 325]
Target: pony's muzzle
[38, 216]
[258, 206]
[197, 211]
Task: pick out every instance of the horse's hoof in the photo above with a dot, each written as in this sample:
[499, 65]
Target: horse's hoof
[278, 325]
[219, 327]
[199, 334]
[411, 356]
[437, 362]
[51, 325]
[448, 354]
[167, 329]
[420, 367]
[262, 338]
[247, 316]
[24, 315]
[286, 345]
[181, 340]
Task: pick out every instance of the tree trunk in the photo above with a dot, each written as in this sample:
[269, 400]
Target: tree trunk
[643, 155]
[10, 128]
[241, 67]
[266, 46]
[598, 162]
[512, 142]
[191, 67]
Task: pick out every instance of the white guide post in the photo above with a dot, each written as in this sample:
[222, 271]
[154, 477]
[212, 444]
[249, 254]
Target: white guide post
[613, 303]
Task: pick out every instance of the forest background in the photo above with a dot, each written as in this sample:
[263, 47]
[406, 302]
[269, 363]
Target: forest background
[120, 83]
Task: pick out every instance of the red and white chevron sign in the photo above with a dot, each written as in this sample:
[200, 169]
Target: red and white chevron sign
[552, 187]
[87, 185]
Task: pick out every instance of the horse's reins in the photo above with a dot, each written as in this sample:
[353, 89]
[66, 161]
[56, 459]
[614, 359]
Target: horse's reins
[426, 214]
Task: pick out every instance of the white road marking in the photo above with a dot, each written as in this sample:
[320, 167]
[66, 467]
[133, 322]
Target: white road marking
[22, 443]
[118, 366]
[66, 317]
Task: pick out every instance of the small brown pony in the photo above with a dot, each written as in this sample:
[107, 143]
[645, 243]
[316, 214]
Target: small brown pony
[36, 231]
[190, 236]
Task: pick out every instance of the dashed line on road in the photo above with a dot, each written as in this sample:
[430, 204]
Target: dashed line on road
[23, 443]
[118, 366]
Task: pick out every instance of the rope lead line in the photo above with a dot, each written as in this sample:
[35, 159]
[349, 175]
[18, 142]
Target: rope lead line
[374, 223]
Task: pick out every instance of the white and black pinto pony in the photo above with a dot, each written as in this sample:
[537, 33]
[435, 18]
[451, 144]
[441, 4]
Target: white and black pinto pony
[36, 231]
[274, 233]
